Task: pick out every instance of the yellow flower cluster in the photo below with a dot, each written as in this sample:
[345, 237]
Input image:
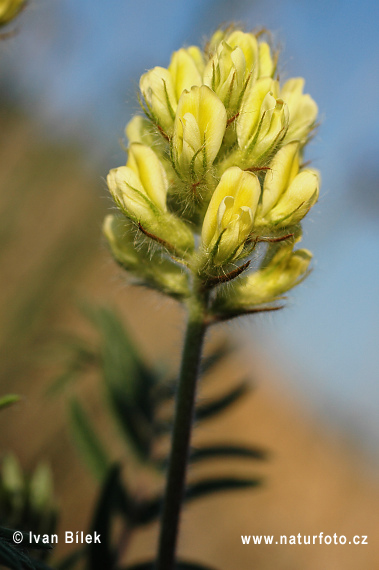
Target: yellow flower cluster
[214, 169]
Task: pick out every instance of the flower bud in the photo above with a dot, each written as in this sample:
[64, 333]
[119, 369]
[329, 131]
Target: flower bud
[302, 110]
[159, 95]
[198, 131]
[297, 200]
[286, 270]
[119, 232]
[186, 69]
[283, 169]
[248, 44]
[9, 10]
[231, 67]
[156, 270]
[287, 194]
[146, 165]
[161, 88]
[27, 499]
[225, 75]
[141, 130]
[230, 215]
[129, 194]
[215, 40]
[262, 122]
[139, 189]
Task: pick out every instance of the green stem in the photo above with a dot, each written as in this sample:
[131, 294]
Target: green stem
[180, 445]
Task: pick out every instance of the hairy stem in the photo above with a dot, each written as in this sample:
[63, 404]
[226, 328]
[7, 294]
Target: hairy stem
[183, 420]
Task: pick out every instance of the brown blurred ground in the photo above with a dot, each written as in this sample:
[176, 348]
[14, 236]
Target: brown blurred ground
[51, 255]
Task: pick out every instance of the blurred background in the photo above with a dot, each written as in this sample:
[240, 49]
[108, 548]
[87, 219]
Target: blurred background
[68, 83]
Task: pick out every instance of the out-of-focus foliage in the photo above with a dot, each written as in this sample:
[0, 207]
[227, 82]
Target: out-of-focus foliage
[8, 400]
[26, 504]
[45, 243]
[27, 501]
[9, 9]
[43, 248]
[140, 401]
[16, 556]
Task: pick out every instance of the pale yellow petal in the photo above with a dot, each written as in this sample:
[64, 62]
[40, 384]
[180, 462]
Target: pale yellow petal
[302, 109]
[237, 189]
[145, 163]
[158, 91]
[139, 129]
[266, 61]
[283, 169]
[197, 56]
[199, 129]
[297, 200]
[250, 113]
[184, 72]
[249, 46]
[128, 192]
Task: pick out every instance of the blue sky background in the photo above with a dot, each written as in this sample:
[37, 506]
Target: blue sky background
[75, 68]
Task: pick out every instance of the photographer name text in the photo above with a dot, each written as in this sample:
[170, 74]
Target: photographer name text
[70, 537]
[78, 537]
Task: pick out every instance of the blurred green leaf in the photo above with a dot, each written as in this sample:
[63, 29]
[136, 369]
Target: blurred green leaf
[220, 451]
[87, 441]
[148, 511]
[101, 556]
[113, 499]
[39, 565]
[82, 357]
[8, 400]
[14, 556]
[9, 557]
[218, 484]
[26, 502]
[12, 487]
[217, 405]
[209, 409]
[218, 354]
[119, 353]
[166, 390]
[12, 475]
[41, 488]
[128, 382]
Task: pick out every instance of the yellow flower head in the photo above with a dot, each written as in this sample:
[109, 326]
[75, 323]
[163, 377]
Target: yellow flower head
[214, 168]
